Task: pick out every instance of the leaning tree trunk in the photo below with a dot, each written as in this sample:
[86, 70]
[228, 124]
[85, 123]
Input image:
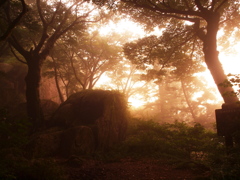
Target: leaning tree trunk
[212, 59]
[215, 67]
[33, 79]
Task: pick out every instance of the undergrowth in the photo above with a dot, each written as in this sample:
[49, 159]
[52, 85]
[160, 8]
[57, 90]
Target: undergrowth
[191, 147]
[14, 135]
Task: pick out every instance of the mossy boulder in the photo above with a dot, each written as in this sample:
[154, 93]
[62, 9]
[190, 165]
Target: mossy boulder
[89, 120]
[105, 112]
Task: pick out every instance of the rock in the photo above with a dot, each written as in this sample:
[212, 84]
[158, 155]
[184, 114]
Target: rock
[90, 120]
[63, 117]
[77, 140]
[46, 143]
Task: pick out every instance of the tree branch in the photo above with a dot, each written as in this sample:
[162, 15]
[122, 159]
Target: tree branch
[163, 11]
[199, 5]
[40, 13]
[14, 42]
[74, 71]
[14, 23]
[44, 31]
[220, 5]
[15, 55]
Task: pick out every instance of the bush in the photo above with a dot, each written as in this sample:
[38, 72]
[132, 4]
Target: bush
[13, 130]
[187, 146]
[178, 140]
[224, 166]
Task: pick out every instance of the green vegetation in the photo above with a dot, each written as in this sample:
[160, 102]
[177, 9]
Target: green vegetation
[191, 147]
[14, 164]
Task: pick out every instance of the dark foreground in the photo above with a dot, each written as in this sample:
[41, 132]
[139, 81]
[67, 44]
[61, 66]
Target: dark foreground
[128, 169]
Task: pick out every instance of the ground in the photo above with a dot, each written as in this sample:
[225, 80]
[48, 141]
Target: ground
[128, 169]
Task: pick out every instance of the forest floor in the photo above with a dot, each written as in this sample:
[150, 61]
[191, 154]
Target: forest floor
[129, 169]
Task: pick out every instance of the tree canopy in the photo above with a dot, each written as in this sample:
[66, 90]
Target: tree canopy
[200, 19]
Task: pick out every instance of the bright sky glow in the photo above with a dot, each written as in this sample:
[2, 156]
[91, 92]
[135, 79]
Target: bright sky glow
[231, 62]
[136, 101]
[121, 27]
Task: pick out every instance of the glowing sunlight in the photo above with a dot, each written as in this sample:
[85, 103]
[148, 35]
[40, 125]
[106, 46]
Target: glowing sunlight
[231, 62]
[136, 101]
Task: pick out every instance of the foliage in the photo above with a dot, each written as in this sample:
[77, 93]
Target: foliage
[13, 131]
[185, 146]
[187, 24]
[14, 126]
[173, 67]
[14, 136]
[176, 140]
[232, 81]
[224, 166]
[78, 63]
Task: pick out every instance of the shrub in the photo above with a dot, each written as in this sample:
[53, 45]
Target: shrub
[178, 140]
[13, 131]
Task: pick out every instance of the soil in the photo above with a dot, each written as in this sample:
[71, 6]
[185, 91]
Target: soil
[129, 169]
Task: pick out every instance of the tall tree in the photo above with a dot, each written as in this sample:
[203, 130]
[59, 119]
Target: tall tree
[203, 18]
[35, 37]
[81, 63]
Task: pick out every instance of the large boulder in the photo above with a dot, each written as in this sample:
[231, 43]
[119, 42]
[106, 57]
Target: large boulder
[89, 120]
[105, 112]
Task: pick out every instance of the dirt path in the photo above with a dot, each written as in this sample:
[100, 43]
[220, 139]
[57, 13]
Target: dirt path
[128, 169]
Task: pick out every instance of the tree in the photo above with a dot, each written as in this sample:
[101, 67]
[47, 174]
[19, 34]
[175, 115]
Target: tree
[202, 20]
[35, 38]
[172, 70]
[81, 63]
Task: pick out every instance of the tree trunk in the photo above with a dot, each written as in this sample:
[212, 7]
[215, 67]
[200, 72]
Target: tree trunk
[33, 79]
[56, 81]
[212, 59]
[162, 95]
[188, 101]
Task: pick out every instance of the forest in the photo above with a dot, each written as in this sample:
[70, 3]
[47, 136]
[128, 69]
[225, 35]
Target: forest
[119, 89]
